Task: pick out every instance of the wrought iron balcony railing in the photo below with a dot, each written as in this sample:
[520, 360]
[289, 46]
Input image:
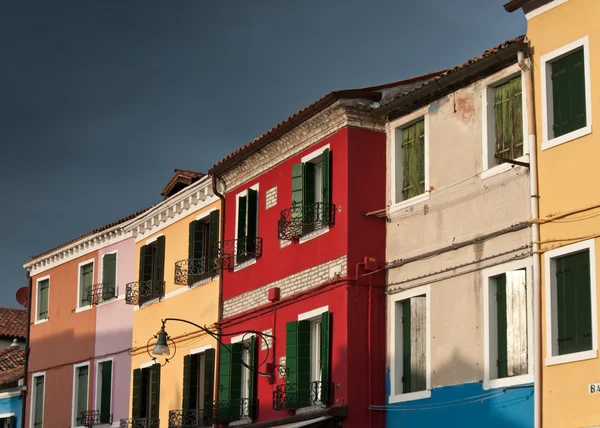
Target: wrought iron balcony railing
[189, 418]
[232, 410]
[101, 293]
[287, 396]
[191, 271]
[93, 417]
[234, 252]
[138, 293]
[139, 423]
[300, 220]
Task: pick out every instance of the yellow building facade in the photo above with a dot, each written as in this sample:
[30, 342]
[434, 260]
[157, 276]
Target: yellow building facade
[177, 279]
[565, 39]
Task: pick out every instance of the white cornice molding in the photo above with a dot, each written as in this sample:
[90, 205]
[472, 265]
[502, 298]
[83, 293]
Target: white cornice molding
[189, 200]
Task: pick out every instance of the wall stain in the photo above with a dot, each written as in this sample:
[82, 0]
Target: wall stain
[465, 108]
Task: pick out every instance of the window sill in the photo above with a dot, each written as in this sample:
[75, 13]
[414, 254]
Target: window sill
[504, 167]
[571, 358]
[313, 235]
[507, 381]
[83, 309]
[244, 264]
[240, 422]
[573, 135]
[410, 396]
[310, 409]
[112, 300]
[40, 321]
[409, 202]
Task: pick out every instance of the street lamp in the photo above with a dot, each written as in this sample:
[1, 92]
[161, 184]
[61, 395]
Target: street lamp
[161, 347]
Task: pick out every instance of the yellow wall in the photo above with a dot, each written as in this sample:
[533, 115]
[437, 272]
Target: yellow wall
[199, 305]
[568, 175]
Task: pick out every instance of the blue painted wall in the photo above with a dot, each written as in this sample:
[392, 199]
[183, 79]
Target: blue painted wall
[12, 405]
[465, 406]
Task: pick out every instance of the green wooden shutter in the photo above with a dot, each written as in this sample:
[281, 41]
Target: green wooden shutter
[418, 343]
[160, 262]
[87, 281]
[154, 391]
[136, 394]
[145, 263]
[82, 390]
[297, 183]
[241, 225]
[236, 381]
[186, 400]
[502, 361]
[291, 362]
[252, 225]
[109, 275]
[38, 417]
[413, 160]
[106, 391]
[406, 375]
[209, 380]
[224, 380]
[568, 93]
[326, 185]
[325, 356]
[194, 380]
[196, 240]
[508, 107]
[213, 239]
[308, 198]
[252, 376]
[43, 299]
[303, 362]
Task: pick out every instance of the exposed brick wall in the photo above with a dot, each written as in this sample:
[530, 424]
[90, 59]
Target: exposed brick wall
[341, 114]
[292, 284]
[271, 197]
[263, 346]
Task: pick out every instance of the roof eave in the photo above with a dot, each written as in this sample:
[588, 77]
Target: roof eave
[513, 5]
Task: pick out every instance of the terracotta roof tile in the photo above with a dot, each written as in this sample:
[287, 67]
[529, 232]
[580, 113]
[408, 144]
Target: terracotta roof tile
[13, 323]
[11, 358]
[11, 377]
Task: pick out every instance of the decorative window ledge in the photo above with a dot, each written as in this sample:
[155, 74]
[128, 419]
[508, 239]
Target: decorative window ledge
[508, 381]
[409, 202]
[244, 264]
[314, 235]
[571, 358]
[83, 309]
[503, 167]
[410, 396]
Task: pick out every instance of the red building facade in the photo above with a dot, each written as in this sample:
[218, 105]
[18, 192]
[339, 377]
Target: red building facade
[302, 265]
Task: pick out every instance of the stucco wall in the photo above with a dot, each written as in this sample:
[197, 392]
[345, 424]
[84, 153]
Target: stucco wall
[11, 404]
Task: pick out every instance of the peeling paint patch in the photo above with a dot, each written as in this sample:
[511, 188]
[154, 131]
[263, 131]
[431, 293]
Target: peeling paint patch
[465, 108]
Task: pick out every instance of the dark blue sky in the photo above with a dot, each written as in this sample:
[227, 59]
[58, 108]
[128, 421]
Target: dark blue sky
[101, 100]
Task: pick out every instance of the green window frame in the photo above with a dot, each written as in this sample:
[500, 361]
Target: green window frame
[152, 268]
[410, 162]
[38, 400]
[508, 120]
[411, 345]
[109, 276]
[43, 290]
[81, 391]
[104, 393]
[86, 283]
[203, 240]
[195, 380]
[145, 393]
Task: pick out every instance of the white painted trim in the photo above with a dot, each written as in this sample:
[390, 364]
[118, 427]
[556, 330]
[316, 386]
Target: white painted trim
[489, 346]
[488, 136]
[153, 239]
[101, 270]
[6, 415]
[546, 84]
[14, 393]
[402, 123]
[552, 356]
[205, 214]
[97, 394]
[244, 336]
[79, 266]
[87, 404]
[543, 9]
[200, 349]
[37, 299]
[148, 364]
[32, 400]
[312, 314]
[393, 299]
[315, 154]
[237, 210]
[312, 235]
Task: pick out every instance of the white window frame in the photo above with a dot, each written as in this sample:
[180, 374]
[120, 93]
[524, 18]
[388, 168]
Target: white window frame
[200, 349]
[75, 391]
[251, 261]
[552, 357]
[101, 272]
[490, 350]
[244, 338]
[314, 317]
[548, 140]
[399, 124]
[398, 397]
[488, 134]
[79, 266]
[37, 299]
[98, 393]
[32, 401]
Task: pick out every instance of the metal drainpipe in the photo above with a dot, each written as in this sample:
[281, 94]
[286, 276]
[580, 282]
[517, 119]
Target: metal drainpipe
[526, 66]
[26, 368]
[220, 310]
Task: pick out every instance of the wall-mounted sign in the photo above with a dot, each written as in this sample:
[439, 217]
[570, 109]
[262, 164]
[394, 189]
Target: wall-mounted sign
[594, 388]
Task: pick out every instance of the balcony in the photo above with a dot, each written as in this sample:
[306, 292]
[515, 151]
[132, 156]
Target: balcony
[91, 418]
[235, 252]
[225, 412]
[141, 292]
[189, 418]
[140, 423]
[192, 271]
[287, 397]
[101, 293]
[301, 220]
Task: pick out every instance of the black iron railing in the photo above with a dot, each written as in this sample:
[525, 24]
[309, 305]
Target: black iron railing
[189, 418]
[300, 220]
[138, 293]
[139, 423]
[101, 293]
[191, 271]
[224, 412]
[288, 396]
[90, 418]
[234, 252]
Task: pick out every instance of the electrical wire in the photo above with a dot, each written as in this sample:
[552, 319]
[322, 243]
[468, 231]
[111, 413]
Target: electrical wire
[440, 406]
